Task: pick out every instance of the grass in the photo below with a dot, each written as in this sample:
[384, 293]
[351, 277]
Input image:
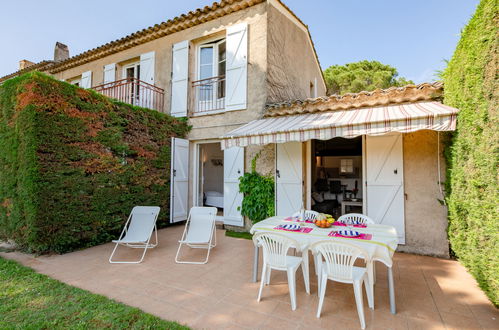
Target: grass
[29, 300]
[237, 234]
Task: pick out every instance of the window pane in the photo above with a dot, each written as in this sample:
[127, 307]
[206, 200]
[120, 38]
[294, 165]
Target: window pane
[221, 52]
[130, 72]
[205, 71]
[221, 68]
[206, 55]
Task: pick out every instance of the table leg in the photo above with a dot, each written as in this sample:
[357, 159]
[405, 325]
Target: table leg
[370, 275]
[255, 264]
[391, 289]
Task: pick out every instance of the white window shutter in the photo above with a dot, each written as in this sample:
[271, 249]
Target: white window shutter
[86, 79]
[237, 63]
[147, 68]
[109, 73]
[180, 63]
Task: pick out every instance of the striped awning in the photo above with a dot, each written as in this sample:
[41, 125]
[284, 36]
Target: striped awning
[403, 118]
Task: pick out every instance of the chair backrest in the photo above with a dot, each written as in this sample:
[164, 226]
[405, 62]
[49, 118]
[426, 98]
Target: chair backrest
[142, 222]
[201, 223]
[355, 219]
[339, 258]
[309, 215]
[275, 247]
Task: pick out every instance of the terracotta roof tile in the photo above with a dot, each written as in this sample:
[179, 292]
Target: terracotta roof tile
[378, 97]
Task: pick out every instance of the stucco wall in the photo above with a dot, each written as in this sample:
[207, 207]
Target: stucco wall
[425, 216]
[216, 125]
[291, 59]
[255, 16]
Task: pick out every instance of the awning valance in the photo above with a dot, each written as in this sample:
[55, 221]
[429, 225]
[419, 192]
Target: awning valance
[403, 118]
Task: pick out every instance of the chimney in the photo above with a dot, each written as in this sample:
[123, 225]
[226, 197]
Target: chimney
[61, 52]
[23, 64]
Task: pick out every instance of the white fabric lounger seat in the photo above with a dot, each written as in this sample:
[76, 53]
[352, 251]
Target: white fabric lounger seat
[199, 232]
[138, 231]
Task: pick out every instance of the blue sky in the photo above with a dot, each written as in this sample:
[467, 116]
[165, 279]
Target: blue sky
[413, 36]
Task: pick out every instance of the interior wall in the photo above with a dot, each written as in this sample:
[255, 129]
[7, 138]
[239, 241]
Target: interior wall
[331, 165]
[213, 174]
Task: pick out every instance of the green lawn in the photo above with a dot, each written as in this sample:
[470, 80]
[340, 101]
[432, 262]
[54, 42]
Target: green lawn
[29, 300]
[237, 234]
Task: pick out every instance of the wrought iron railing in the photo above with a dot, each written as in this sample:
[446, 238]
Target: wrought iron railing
[134, 91]
[209, 94]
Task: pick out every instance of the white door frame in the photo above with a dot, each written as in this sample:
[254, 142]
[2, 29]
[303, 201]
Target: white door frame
[195, 176]
[308, 175]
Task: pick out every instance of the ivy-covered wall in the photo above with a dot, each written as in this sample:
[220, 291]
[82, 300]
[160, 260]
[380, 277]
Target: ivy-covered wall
[73, 163]
[471, 85]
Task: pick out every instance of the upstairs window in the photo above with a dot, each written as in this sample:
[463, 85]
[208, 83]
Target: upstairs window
[210, 86]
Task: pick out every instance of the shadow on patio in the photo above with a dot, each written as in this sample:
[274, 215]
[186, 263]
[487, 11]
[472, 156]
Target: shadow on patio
[430, 292]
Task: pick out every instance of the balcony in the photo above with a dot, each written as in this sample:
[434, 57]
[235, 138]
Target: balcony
[134, 91]
[209, 95]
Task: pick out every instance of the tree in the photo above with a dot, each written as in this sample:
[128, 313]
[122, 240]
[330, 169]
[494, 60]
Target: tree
[361, 76]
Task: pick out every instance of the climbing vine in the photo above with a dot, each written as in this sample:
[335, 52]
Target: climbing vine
[258, 192]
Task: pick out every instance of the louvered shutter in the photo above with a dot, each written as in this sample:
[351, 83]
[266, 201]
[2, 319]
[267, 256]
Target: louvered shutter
[180, 63]
[236, 71]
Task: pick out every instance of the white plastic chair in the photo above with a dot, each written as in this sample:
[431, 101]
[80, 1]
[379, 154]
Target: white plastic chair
[138, 231]
[355, 218]
[275, 256]
[309, 215]
[199, 232]
[339, 266]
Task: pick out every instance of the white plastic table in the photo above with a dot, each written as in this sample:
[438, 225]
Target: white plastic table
[381, 246]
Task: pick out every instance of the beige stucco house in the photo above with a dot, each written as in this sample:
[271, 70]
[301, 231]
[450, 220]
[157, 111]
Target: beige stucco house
[235, 69]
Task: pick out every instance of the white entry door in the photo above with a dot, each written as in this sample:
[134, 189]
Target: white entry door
[233, 169]
[179, 183]
[289, 178]
[385, 181]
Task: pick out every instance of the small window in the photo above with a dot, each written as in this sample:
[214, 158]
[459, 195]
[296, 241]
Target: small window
[346, 166]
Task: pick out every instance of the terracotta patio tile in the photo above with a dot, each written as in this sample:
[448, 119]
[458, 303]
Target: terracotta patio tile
[423, 324]
[431, 293]
[273, 322]
[460, 321]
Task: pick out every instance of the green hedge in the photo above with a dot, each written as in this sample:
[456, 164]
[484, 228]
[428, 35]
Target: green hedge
[73, 163]
[471, 86]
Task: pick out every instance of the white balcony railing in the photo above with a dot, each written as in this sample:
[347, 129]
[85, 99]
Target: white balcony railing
[209, 94]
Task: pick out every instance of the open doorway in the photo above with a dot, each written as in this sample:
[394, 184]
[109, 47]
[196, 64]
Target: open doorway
[211, 176]
[337, 176]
